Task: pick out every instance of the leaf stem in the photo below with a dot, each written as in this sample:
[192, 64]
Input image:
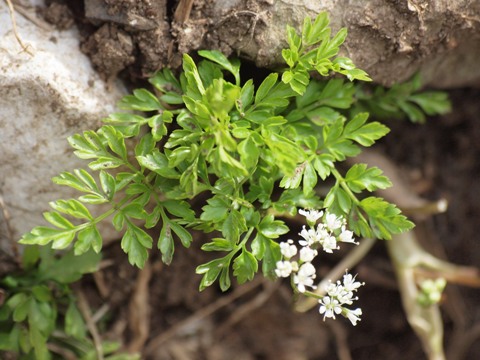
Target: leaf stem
[341, 180]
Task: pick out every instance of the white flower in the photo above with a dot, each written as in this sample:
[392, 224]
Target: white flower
[329, 307]
[307, 254]
[284, 269]
[350, 284]
[353, 315]
[322, 232]
[345, 297]
[305, 277]
[307, 269]
[344, 292]
[310, 237]
[338, 295]
[287, 249]
[332, 222]
[311, 215]
[329, 243]
[333, 289]
[346, 236]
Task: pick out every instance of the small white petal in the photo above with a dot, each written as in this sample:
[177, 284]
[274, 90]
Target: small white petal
[346, 236]
[304, 277]
[329, 244]
[287, 249]
[329, 307]
[307, 269]
[311, 215]
[309, 235]
[350, 284]
[333, 222]
[354, 315]
[283, 269]
[307, 254]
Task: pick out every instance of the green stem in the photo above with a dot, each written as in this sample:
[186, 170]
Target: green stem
[311, 294]
[106, 214]
[341, 180]
[245, 238]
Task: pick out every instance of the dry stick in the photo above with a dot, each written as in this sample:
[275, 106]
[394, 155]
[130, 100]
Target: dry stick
[102, 287]
[100, 313]
[29, 13]
[183, 10]
[62, 351]
[85, 310]
[199, 315]
[349, 261]
[178, 351]
[341, 342]
[240, 313]
[14, 26]
[139, 310]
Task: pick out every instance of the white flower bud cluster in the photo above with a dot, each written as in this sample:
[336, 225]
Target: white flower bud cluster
[325, 235]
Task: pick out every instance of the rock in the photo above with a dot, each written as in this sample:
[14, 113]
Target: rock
[44, 98]
[137, 15]
[391, 40]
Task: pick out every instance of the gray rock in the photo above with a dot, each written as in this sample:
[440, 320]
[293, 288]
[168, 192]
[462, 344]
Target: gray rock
[44, 98]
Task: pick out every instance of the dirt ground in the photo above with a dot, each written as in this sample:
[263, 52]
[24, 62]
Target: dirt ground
[160, 313]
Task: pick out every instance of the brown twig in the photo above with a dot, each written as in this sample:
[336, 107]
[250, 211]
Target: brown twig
[100, 313]
[84, 308]
[183, 10]
[102, 287]
[341, 342]
[14, 26]
[242, 311]
[139, 310]
[62, 351]
[223, 301]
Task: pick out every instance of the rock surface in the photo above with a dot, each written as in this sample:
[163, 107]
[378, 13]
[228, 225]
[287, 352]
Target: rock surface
[391, 40]
[44, 98]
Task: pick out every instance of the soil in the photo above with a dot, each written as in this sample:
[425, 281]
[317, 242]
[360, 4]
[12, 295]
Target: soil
[160, 313]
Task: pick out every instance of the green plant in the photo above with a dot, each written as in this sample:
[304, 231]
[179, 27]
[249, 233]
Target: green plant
[40, 308]
[253, 154]
[30, 313]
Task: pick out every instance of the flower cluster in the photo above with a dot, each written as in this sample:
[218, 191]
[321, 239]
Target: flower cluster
[338, 295]
[325, 235]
